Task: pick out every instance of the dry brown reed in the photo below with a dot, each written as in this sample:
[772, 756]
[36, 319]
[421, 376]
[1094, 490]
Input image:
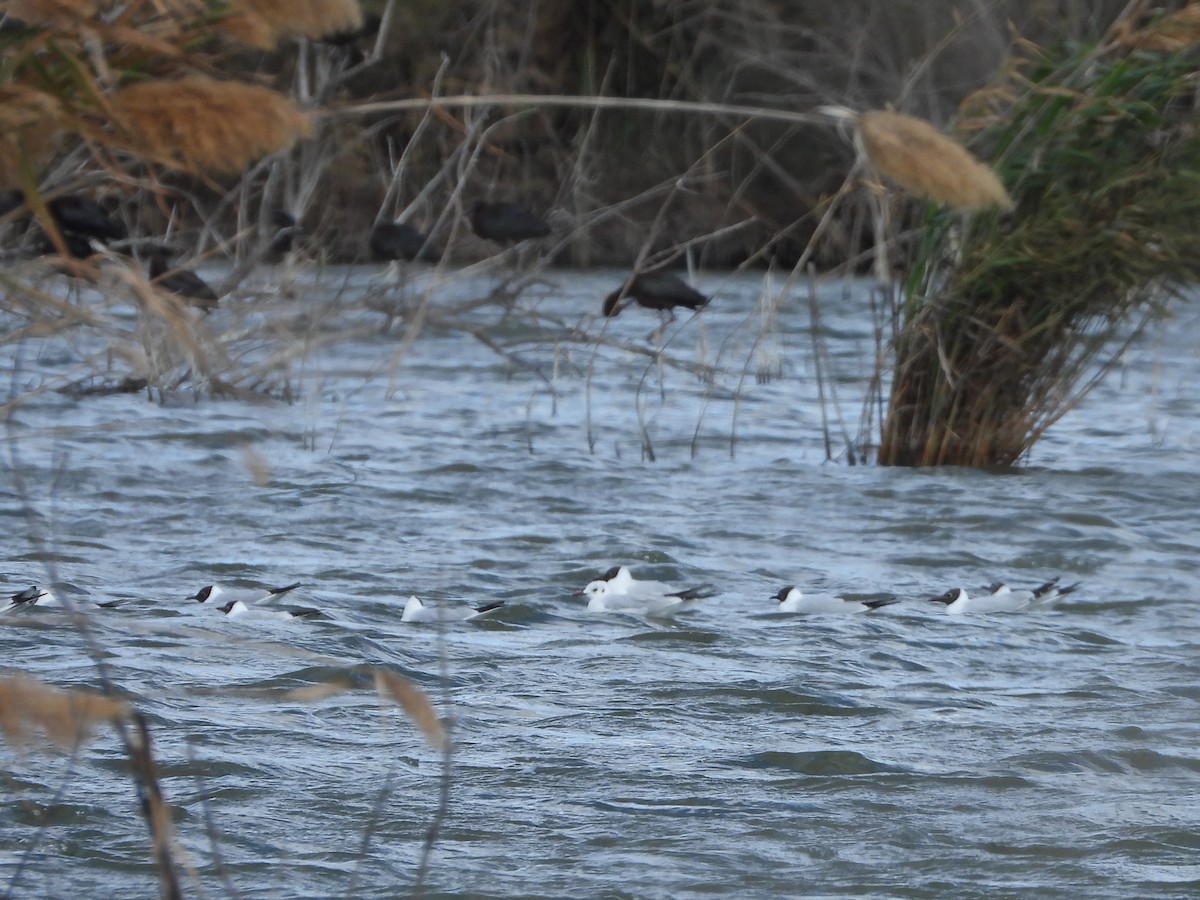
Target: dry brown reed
[414, 702]
[313, 19]
[29, 121]
[54, 13]
[248, 29]
[203, 125]
[1178, 31]
[927, 164]
[67, 717]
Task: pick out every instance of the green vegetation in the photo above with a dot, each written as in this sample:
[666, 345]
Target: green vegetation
[1010, 318]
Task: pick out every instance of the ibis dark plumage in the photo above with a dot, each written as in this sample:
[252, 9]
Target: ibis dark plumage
[83, 215]
[284, 237]
[506, 223]
[182, 282]
[397, 240]
[663, 291]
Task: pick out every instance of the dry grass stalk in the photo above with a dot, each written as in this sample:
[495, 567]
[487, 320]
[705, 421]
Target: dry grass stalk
[313, 19]
[1178, 31]
[29, 122]
[414, 702]
[926, 163]
[205, 125]
[66, 716]
[51, 12]
[249, 29]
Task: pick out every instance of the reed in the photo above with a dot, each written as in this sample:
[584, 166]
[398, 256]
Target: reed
[29, 125]
[313, 19]
[203, 125]
[1009, 319]
[928, 164]
[66, 717]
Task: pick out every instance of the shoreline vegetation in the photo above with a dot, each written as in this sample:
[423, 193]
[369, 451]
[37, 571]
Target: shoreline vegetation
[646, 138]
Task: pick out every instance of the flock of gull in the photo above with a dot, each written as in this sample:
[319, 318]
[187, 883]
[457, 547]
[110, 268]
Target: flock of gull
[86, 229]
[617, 590]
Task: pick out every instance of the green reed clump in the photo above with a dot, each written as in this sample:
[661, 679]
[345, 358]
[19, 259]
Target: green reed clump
[1010, 317]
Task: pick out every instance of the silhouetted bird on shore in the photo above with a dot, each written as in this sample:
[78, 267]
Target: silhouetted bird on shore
[506, 223]
[184, 283]
[79, 219]
[79, 246]
[655, 290]
[396, 240]
[83, 215]
[286, 228]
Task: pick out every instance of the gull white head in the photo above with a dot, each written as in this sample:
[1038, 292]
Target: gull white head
[597, 593]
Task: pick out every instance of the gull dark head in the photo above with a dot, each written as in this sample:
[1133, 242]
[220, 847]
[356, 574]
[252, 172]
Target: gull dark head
[949, 597]
[203, 594]
[783, 593]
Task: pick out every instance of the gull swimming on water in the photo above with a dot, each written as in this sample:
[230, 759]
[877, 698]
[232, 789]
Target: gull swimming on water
[603, 596]
[792, 600]
[620, 581]
[1035, 598]
[248, 597]
[32, 596]
[416, 611]
[236, 608]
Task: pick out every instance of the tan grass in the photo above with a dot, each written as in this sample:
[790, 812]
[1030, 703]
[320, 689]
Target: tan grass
[926, 163]
[1178, 31]
[201, 125]
[51, 12]
[314, 19]
[29, 122]
[67, 717]
[415, 703]
[249, 29]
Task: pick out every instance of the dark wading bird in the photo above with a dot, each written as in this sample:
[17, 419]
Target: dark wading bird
[286, 229]
[506, 223]
[83, 215]
[655, 290]
[396, 240]
[182, 282]
[80, 222]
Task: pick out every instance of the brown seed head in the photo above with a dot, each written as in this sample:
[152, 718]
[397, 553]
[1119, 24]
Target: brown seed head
[200, 124]
[926, 163]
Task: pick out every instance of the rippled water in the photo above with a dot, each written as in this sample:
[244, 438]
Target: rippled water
[729, 751]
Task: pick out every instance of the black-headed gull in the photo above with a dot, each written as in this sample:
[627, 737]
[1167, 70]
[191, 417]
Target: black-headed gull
[621, 582]
[1035, 598]
[959, 602]
[604, 597]
[247, 596]
[236, 608]
[32, 596]
[791, 600]
[416, 611]
[44, 598]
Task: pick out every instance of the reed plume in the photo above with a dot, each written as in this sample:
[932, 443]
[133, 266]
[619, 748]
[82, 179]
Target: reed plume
[52, 13]
[199, 124]
[1178, 31]
[249, 29]
[927, 164]
[29, 122]
[67, 717]
[313, 19]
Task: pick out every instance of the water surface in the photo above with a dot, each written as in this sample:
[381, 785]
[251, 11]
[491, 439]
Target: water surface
[727, 751]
